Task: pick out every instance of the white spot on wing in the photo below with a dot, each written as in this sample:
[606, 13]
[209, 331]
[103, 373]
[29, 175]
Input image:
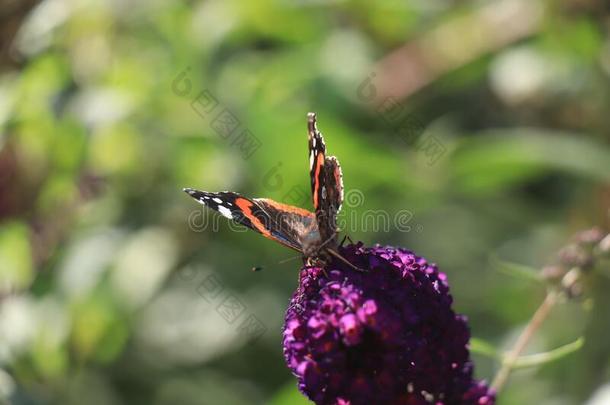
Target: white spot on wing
[311, 159]
[217, 200]
[225, 211]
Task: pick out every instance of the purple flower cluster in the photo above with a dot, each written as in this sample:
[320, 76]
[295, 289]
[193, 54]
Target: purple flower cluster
[385, 336]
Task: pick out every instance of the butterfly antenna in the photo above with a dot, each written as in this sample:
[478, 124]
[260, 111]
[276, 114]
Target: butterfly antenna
[338, 256]
[288, 259]
[326, 241]
[344, 260]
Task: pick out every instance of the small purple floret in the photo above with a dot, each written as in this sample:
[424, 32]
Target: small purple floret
[385, 336]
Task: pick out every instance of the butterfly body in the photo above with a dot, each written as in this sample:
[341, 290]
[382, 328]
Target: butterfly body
[314, 234]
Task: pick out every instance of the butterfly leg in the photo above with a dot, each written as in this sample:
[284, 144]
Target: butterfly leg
[346, 237]
[316, 263]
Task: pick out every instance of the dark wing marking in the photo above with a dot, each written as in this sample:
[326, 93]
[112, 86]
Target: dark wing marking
[273, 220]
[232, 206]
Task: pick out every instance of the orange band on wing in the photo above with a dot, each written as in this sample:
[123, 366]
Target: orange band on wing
[288, 208]
[319, 164]
[245, 206]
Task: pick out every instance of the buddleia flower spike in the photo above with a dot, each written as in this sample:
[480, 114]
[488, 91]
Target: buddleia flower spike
[387, 336]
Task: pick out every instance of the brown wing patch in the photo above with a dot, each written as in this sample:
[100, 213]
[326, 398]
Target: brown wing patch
[291, 225]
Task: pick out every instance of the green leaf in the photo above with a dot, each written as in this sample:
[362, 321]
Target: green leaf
[289, 394]
[515, 269]
[16, 267]
[499, 159]
[539, 359]
[484, 348]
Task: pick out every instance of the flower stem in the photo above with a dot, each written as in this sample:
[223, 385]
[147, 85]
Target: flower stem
[569, 287]
[533, 325]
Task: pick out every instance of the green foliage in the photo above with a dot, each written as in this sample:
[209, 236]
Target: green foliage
[15, 256]
[484, 348]
[540, 359]
[289, 395]
[516, 269]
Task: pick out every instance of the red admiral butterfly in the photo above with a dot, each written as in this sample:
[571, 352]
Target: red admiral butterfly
[312, 234]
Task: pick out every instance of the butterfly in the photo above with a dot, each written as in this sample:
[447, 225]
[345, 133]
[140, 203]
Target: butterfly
[313, 234]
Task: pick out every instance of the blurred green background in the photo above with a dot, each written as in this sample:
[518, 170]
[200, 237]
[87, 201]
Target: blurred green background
[474, 129]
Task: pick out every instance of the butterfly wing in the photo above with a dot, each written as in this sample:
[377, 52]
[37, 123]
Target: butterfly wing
[280, 222]
[333, 182]
[326, 182]
[292, 225]
[317, 157]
